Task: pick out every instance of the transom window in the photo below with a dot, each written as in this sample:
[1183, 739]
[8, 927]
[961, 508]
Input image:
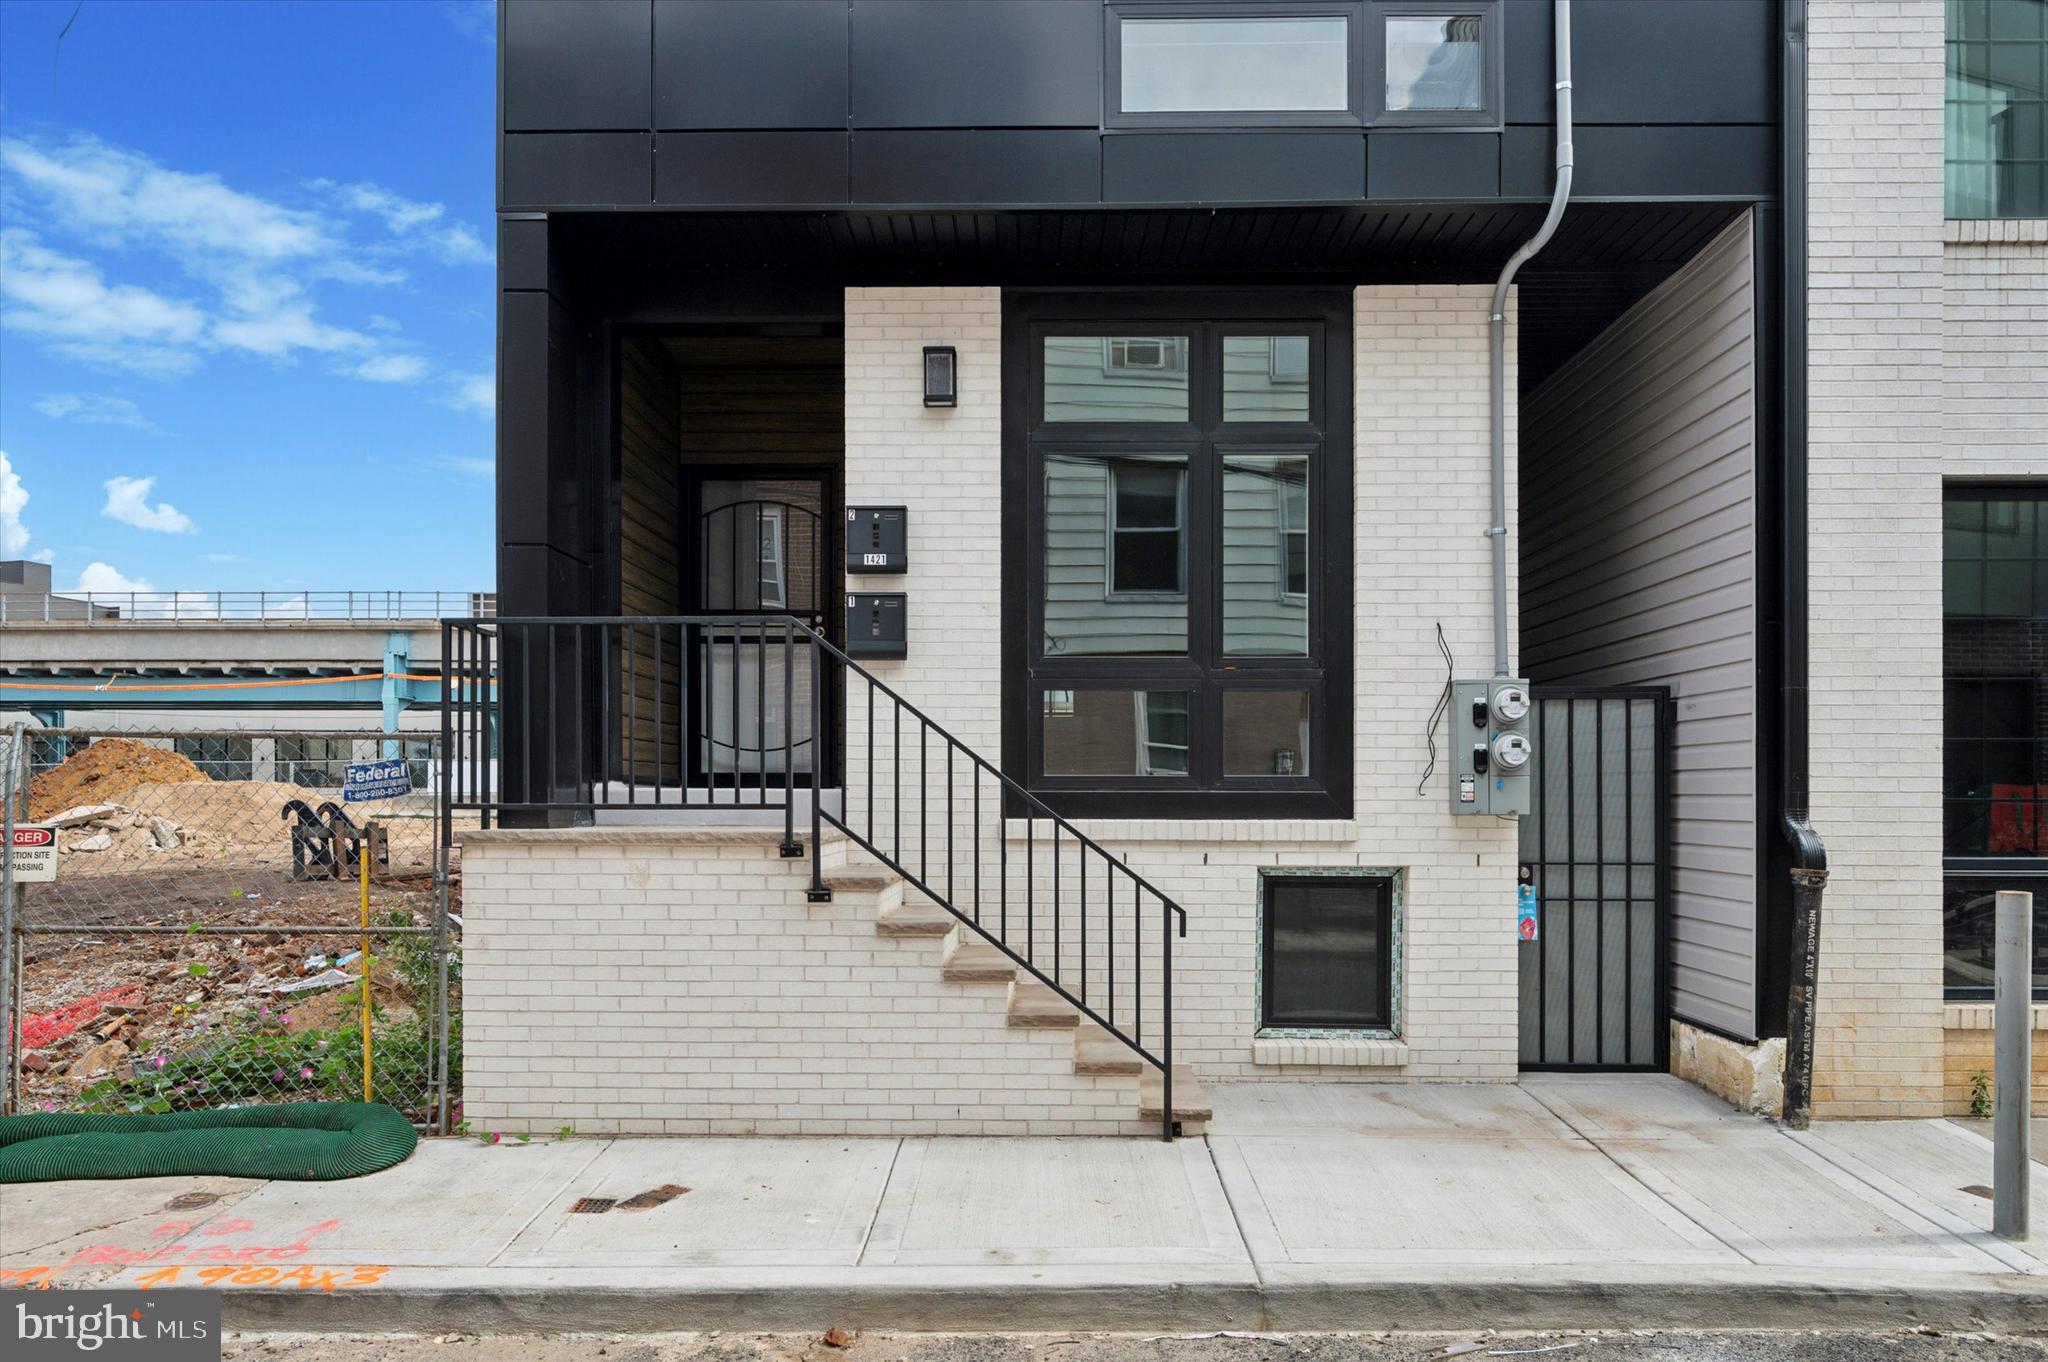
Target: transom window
[1994, 739]
[1997, 103]
[1303, 62]
[1179, 518]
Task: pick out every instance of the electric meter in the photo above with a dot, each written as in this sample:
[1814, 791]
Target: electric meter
[1494, 764]
[1510, 705]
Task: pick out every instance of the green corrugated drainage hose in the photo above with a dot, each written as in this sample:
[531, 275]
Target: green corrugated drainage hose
[299, 1142]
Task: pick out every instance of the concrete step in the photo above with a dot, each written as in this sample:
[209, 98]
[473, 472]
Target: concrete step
[879, 889]
[1033, 1004]
[1096, 1051]
[1190, 1103]
[916, 915]
[969, 959]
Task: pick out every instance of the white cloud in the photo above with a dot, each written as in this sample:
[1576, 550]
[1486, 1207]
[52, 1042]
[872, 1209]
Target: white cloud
[126, 198]
[128, 502]
[415, 223]
[474, 392]
[94, 409]
[13, 501]
[391, 369]
[256, 264]
[102, 577]
[68, 302]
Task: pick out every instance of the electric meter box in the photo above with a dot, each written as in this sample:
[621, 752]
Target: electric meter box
[875, 624]
[1493, 748]
[876, 539]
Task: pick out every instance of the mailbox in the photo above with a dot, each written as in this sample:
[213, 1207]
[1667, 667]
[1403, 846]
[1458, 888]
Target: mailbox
[875, 623]
[875, 539]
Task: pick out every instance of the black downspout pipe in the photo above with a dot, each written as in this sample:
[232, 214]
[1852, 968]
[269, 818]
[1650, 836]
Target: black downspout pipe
[1806, 856]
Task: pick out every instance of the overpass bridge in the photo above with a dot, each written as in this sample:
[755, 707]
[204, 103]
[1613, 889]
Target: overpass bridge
[250, 653]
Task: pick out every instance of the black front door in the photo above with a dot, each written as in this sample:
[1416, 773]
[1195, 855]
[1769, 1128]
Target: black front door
[764, 542]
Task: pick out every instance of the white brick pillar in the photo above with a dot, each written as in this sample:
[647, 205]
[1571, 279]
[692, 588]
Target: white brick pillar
[1875, 375]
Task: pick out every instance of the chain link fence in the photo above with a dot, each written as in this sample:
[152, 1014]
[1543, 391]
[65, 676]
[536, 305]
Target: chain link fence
[202, 943]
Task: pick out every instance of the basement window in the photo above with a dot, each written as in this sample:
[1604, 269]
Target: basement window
[1327, 947]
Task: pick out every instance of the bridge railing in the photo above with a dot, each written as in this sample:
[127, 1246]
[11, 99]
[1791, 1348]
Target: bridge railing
[242, 607]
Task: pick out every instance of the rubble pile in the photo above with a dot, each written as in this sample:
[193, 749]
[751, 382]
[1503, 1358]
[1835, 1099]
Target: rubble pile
[116, 828]
[103, 773]
[99, 1008]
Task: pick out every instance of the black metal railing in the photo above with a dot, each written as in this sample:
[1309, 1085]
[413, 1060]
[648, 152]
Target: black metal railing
[621, 714]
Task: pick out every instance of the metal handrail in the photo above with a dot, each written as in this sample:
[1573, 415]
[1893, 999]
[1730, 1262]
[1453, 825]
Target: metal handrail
[516, 647]
[237, 607]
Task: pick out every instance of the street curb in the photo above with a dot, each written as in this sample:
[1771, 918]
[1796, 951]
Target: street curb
[1999, 1304]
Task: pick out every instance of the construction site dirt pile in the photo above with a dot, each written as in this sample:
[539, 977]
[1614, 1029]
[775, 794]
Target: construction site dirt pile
[104, 772]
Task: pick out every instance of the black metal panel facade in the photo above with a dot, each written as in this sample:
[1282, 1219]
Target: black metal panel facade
[549, 170]
[1432, 165]
[996, 165]
[1670, 97]
[1735, 162]
[750, 168]
[718, 65]
[1665, 61]
[989, 64]
[1233, 167]
[575, 66]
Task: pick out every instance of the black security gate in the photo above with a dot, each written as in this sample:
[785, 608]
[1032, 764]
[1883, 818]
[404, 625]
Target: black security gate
[1597, 851]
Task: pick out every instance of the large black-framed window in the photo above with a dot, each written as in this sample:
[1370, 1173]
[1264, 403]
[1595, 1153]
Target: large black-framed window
[1303, 63]
[1326, 952]
[1177, 550]
[1994, 718]
[1997, 109]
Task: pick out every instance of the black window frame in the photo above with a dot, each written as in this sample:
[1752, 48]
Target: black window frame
[1381, 886]
[1492, 73]
[1968, 28]
[1366, 66]
[1113, 115]
[1205, 670]
[1985, 872]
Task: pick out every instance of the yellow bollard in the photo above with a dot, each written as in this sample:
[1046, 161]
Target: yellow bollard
[363, 864]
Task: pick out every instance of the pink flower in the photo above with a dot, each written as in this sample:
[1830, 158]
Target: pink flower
[495, 1137]
[286, 1017]
[277, 1077]
[158, 1061]
[306, 1071]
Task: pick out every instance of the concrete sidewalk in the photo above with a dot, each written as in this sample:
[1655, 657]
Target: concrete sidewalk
[1563, 1202]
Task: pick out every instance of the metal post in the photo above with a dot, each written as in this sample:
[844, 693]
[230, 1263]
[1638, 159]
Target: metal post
[13, 755]
[818, 893]
[2013, 1064]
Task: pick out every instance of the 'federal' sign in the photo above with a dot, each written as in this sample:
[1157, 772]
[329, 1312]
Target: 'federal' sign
[375, 780]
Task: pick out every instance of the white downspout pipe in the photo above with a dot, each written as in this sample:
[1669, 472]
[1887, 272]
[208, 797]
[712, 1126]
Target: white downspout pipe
[1497, 327]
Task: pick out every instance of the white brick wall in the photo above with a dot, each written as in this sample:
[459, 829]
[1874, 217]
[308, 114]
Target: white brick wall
[1422, 499]
[686, 987]
[1925, 364]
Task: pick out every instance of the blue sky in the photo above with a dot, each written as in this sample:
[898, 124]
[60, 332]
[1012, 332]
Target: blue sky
[246, 292]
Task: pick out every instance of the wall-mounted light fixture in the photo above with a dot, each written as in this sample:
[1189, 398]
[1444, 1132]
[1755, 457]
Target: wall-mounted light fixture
[941, 376]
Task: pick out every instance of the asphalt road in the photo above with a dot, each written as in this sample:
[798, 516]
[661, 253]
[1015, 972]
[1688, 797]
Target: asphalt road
[1644, 1346]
